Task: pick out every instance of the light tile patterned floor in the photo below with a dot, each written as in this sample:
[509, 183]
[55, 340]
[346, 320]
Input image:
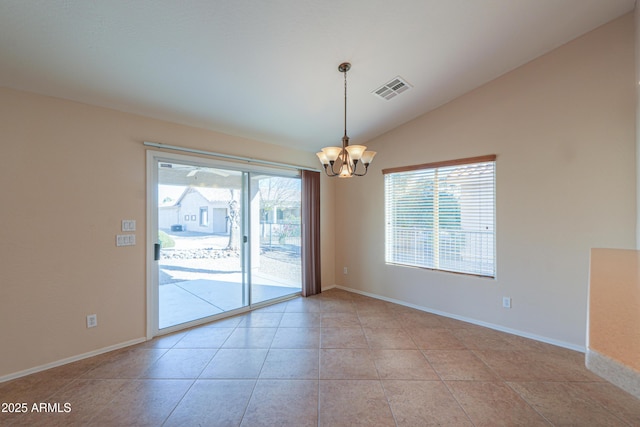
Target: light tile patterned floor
[333, 359]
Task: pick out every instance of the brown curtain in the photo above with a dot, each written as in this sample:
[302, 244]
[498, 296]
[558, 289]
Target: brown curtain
[310, 233]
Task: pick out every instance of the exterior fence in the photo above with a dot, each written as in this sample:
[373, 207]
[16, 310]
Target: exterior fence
[280, 234]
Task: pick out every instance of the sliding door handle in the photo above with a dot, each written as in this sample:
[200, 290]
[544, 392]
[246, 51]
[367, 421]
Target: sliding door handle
[156, 251]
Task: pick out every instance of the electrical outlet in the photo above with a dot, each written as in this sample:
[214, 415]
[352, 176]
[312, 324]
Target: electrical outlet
[506, 302]
[345, 270]
[92, 321]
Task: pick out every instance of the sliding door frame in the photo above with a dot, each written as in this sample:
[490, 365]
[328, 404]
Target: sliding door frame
[152, 291]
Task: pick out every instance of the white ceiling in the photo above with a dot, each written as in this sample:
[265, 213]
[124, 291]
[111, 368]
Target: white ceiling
[267, 70]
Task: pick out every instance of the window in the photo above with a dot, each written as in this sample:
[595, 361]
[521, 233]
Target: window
[204, 217]
[441, 216]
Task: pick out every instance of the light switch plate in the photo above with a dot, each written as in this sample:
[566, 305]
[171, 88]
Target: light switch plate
[128, 225]
[125, 240]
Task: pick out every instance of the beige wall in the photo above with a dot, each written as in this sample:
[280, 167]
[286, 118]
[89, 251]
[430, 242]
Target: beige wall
[563, 129]
[636, 17]
[613, 343]
[614, 302]
[70, 173]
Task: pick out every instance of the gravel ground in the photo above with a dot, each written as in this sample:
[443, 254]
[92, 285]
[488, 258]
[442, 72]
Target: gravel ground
[189, 264]
[200, 256]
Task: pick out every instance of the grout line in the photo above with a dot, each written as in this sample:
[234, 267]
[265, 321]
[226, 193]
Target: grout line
[179, 401]
[527, 402]
[458, 402]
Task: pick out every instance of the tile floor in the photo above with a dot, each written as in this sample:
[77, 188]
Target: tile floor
[333, 359]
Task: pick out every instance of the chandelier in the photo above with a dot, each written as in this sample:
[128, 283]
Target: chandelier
[343, 162]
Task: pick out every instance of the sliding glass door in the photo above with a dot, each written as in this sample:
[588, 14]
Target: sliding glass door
[276, 268]
[223, 239]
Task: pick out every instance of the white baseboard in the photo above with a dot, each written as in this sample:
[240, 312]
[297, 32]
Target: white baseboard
[469, 320]
[614, 372]
[70, 359]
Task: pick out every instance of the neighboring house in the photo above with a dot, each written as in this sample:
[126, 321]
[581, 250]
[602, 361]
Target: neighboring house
[198, 209]
[206, 210]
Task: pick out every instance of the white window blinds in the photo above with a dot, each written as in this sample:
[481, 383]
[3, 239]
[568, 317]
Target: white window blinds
[441, 216]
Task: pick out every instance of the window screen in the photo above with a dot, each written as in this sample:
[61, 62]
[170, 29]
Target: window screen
[442, 216]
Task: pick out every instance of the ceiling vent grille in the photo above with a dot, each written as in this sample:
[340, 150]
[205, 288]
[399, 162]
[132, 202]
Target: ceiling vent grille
[393, 88]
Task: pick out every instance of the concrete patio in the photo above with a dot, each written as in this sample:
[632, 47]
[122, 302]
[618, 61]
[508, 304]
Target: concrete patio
[182, 302]
[198, 279]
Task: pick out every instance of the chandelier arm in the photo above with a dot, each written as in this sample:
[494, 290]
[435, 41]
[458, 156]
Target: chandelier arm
[346, 160]
[351, 164]
[333, 171]
[326, 170]
[366, 169]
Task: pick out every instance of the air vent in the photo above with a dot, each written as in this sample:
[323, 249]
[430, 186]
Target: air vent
[393, 88]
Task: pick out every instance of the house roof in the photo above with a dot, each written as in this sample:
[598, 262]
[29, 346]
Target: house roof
[268, 70]
[212, 195]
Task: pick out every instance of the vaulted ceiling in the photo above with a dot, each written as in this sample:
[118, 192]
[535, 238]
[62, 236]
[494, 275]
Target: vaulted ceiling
[267, 70]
